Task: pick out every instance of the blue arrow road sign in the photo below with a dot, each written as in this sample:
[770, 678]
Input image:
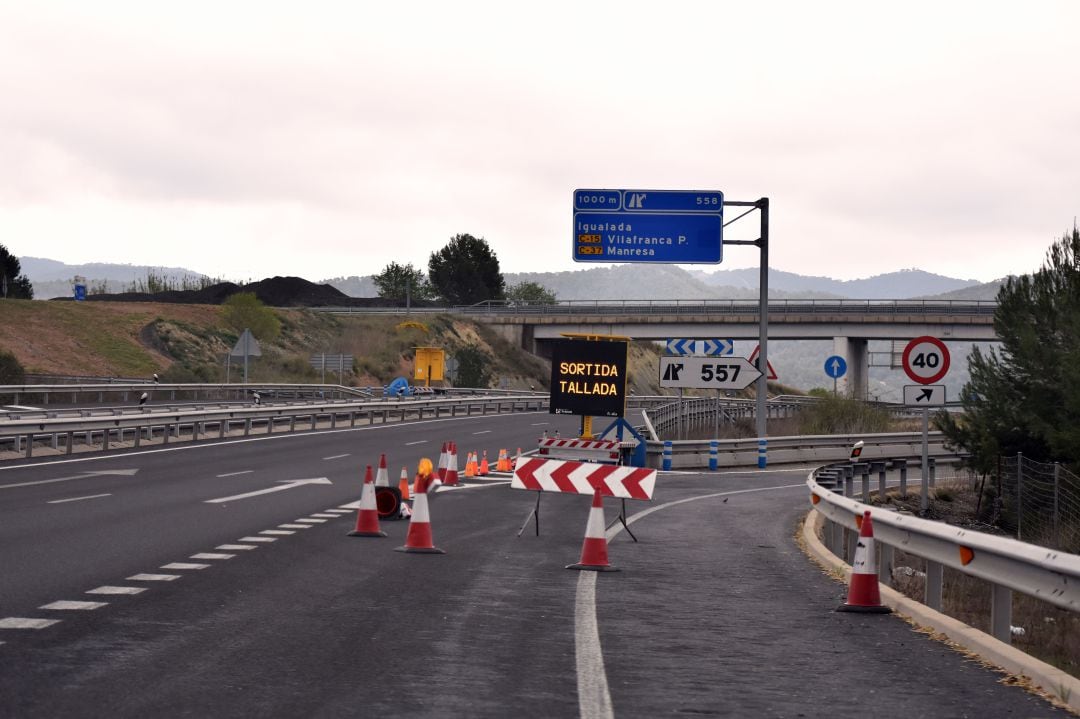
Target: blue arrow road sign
[717, 347]
[668, 226]
[836, 366]
[680, 347]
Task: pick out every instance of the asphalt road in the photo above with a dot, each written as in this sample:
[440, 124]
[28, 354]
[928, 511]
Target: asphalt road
[715, 610]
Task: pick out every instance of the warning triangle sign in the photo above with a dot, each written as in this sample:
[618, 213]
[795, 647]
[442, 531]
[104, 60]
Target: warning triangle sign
[752, 359]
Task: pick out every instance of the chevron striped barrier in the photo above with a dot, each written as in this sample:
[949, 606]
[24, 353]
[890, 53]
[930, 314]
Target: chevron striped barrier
[553, 475]
[599, 450]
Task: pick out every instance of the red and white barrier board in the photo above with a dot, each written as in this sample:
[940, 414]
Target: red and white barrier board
[601, 444]
[586, 450]
[553, 475]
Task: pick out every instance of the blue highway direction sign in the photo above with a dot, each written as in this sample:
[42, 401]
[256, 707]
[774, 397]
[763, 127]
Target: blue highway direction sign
[706, 348]
[717, 347]
[665, 226]
[836, 366]
[680, 347]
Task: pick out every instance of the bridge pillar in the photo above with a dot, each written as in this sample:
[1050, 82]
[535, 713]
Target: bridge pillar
[856, 352]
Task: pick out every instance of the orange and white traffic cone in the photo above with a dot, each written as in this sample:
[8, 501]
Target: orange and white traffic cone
[484, 469]
[367, 517]
[451, 478]
[502, 464]
[403, 484]
[470, 465]
[863, 592]
[594, 549]
[440, 468]
[418, 540]
[382, 477]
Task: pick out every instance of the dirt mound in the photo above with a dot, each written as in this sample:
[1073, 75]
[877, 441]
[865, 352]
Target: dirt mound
[273, 291]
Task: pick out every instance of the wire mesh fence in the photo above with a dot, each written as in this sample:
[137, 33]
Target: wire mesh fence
[1038, 502]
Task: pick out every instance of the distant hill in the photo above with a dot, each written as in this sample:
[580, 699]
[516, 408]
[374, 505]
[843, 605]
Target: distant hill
[987, 291]
[630, 281]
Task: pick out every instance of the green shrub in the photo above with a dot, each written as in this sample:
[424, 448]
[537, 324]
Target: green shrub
[11, 370]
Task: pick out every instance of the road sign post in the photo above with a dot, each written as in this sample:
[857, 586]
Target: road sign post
[926, 360]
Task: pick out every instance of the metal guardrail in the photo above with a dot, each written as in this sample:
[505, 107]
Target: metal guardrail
[208, 391]
[59, 435]
[570, 307]
[1008, 564]
[695, 454]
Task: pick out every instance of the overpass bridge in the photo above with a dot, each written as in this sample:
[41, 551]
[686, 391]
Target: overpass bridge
[850, 324]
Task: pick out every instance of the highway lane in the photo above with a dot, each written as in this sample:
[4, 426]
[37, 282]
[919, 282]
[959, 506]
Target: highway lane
[55, 533]
[715, 612]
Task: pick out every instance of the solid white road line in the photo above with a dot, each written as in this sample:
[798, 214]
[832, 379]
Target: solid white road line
[26, 623]
[84, 475]
[153, 577]
[184, 565]
[594, 697]
[63, 604]
[276, 531]
[211, 555]
[459, 487]
[236, 474]
[117, 590]
[335, 456]
[235, 547]
[78, 499]
[256, 539]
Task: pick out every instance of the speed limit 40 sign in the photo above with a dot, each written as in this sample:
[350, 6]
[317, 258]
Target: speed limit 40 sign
[926, 360]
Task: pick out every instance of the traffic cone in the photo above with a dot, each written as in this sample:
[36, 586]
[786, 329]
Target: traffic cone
[502, 464]
[382, 477]
[403, 484]
[594, 549]
[470, 465]
[484, 469]
[863, 592]
[367, 517]
[440, 469]
[418, 540]
[451, 477]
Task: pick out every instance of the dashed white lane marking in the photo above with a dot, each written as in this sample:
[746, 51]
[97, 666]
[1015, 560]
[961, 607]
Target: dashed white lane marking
[310, 520]
[184, 565]
[257, 539]
[78, 499]
[153, 577]
[419, 441]
[117, 590]
[337, 511]
[335, 456]
[483, 431]
[294, 526]
[235, 547]
[325, 515]
[211, 555]
[26, 623]
[276, 531]
[65, 604]
[236, 474]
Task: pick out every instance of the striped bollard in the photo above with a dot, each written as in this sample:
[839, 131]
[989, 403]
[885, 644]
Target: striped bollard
[713, 447]
[762, 453]
[667, 456]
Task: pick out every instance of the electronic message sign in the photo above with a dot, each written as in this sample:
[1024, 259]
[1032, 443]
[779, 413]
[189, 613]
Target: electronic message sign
[588, 378]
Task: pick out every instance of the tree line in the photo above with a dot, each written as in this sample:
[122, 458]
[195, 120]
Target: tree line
[464, 272]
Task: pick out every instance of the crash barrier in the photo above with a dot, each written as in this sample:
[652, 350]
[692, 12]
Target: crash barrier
[696, 454]
[598, 450]
[1008, 565]
[65, 435]
[116, 392]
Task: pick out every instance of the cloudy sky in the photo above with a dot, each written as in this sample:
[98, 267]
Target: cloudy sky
[322, 139]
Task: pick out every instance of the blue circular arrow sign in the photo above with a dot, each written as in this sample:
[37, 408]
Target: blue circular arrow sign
[836, 366]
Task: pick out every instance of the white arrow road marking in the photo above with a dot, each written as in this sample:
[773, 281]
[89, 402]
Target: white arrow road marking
[84, 475]
[285, 484]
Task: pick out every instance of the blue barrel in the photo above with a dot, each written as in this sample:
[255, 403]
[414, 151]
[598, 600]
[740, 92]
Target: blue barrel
[714, 447]
[762, 453]
[667, 456]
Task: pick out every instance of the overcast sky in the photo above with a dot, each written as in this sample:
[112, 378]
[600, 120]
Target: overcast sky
[245, 140]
